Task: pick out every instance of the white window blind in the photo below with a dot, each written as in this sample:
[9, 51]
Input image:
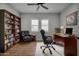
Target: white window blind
[44, 25]
[34, 25]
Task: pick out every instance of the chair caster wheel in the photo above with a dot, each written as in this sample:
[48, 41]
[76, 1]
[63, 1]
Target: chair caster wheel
[40, 47]
[50, 52]
[43, 52]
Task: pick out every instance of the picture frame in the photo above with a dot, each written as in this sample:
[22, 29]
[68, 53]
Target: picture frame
[71, 19]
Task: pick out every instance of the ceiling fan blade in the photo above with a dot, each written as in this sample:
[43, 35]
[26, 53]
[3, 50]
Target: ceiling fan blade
[32, 4]
[38, 7]
[44, 6]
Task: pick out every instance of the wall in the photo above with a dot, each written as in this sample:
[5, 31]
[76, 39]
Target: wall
[70, 9]
[78, 32]
[26, 21]
[9, 8]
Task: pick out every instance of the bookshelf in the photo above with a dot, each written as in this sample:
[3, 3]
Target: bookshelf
[17, 29]
[10, 30]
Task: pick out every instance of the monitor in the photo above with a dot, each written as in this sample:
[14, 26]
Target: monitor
[69, 31]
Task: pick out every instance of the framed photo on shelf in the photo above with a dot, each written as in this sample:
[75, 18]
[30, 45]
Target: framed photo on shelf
[71, 19]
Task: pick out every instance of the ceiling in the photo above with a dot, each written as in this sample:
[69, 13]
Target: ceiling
[53, 8]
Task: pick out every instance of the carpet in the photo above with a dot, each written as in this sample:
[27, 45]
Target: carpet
[59, 50]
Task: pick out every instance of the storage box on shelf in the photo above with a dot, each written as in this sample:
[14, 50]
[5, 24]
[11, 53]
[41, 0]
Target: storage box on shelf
[8, 28]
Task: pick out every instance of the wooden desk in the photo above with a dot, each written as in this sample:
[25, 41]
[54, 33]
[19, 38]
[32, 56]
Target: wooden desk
[68, 42]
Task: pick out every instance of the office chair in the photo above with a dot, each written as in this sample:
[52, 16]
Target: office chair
[47, 41]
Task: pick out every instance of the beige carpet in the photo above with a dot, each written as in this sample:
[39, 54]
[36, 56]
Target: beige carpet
[59, 50]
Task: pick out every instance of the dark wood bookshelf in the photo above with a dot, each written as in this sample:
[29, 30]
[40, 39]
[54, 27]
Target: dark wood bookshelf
[9, 30]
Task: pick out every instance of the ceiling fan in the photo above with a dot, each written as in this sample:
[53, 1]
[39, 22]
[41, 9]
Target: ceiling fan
[38, 4]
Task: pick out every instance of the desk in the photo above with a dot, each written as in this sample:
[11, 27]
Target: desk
[68, 42]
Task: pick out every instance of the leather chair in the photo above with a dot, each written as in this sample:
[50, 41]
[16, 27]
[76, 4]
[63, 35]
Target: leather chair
[26, 36]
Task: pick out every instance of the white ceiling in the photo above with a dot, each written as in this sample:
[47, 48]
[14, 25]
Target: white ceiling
[53, 7]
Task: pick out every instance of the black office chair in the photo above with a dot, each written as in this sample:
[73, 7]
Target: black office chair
[48, 41]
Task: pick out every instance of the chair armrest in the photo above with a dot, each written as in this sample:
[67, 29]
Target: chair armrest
[33, 35]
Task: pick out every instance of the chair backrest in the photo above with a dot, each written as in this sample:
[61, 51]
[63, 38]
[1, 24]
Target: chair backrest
[43, 35]
[25, 33]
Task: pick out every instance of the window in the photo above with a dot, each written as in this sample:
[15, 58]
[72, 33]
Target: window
[34, 25]
[44, 25]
